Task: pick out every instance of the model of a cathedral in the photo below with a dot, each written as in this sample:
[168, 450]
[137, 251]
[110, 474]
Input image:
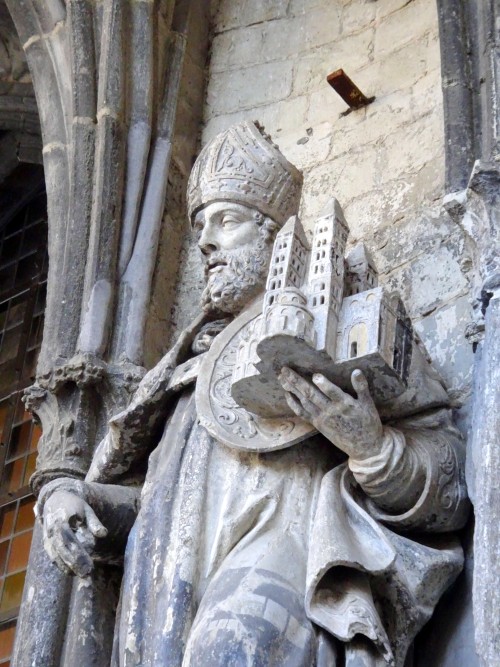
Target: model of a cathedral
[323, 312]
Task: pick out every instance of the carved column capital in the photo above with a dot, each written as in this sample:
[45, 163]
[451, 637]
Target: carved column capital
[73, 402]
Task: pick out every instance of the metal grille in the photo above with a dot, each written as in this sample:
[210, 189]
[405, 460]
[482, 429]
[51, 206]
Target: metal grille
[23, 277]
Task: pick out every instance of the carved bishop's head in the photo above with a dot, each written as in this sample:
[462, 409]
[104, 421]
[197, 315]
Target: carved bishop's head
[241, 191]
[243, 165]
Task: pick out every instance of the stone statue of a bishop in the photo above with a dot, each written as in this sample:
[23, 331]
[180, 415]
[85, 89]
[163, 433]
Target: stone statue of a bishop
[331, 549]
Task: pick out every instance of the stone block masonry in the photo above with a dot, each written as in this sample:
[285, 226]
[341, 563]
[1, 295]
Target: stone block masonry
[384, 163]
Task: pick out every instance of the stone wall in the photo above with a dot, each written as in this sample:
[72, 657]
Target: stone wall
[384, 163]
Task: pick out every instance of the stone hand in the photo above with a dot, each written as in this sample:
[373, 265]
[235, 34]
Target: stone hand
[70, 528]
[352, 424]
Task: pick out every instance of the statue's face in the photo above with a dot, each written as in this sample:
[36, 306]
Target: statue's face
[236, 241]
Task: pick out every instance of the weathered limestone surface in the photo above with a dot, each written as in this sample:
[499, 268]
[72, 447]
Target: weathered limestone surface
[384, 163]
[107, 79]
[477, 210]
[208, 577]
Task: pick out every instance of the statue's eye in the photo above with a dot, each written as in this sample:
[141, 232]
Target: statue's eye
[229, 221]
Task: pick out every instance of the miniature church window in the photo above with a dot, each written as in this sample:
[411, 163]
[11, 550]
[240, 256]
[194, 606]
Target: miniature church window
[354, 349]
[397, 359]
[358, 335]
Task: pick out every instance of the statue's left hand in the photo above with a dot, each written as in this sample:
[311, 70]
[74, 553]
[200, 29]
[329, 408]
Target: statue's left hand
[351, 424]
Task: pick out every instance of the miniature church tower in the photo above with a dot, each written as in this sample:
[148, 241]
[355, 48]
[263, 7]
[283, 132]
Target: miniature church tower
[285, 305]
[326, 275]
[323, 313]
[288, 261]
[361, 274]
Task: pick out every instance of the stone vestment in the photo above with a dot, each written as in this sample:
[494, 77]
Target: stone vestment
[239, 558]
[298, 557]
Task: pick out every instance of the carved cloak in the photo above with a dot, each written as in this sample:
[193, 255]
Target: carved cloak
[208, 512]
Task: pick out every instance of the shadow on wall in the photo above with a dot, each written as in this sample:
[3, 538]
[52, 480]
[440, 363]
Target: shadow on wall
[448, 638]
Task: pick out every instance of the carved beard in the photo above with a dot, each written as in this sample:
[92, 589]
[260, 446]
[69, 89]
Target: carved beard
[230, 289]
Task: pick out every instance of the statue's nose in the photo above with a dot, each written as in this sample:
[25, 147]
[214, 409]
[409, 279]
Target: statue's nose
[208, 240]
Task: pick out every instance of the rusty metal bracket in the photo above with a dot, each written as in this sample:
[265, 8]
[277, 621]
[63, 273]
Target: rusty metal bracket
[348, 91]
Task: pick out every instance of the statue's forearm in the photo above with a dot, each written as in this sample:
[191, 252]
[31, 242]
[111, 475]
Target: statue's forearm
[395, 477]
[417, 479]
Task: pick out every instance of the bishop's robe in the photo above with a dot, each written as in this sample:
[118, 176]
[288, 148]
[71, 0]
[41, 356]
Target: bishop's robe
[281, 558]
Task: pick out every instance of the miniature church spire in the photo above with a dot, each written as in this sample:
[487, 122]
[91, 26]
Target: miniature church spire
[326, 274]
[288, 261]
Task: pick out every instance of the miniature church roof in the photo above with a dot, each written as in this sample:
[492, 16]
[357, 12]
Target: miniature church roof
[359, 260]
[334, 210]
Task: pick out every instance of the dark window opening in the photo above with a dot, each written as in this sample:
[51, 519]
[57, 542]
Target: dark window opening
[23, 277]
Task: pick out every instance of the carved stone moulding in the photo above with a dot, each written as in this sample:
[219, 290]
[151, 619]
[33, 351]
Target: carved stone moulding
[73, 407]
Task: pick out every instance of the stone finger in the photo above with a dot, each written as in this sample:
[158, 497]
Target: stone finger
[73, 553]
[302, 389]
[85, 538]
[60, 564]
[296, 406]
[61, 556]
[360, 386]
[93, 523]
[330, 389]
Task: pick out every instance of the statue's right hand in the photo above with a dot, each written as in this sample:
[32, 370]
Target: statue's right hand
[70, 529]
